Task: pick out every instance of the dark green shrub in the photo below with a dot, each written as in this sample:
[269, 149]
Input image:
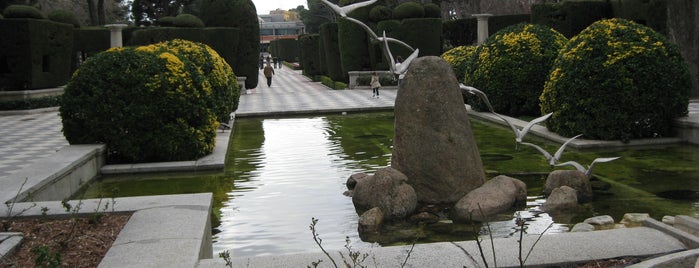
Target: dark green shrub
[361, 14]
[408, 10]
[22, 12]
[152, 35]
[340, 85]
[165, 21]
[616, 80]
[512, 66]
[288, 49]
[188, 21]
[354, 48]
[432, 10]
[380, 13]
[497, 23]
[461, 32]
[146, 104]
[239, 14]
[88, 41]
[327, 81]
[331, 49]
[460, 59]
[64, 16]
[37, 54]
[424, 33]
[651, 13]
[28, 104]
[570, 17]
[310, 55]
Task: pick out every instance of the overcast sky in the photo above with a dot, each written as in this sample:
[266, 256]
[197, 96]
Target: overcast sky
[265, 6]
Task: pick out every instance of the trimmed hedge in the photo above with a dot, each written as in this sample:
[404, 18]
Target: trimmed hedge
[28, 104]
[512, 66]
[354, 50]
[408, 10]
[165, 21]
[380, 13]
[187, 21]
[152, 35]
[460, 59]
[570, 17]
[617, 80]
[331, 49]
[240, 14]
[285, 49]
[38, 56]
[651, 13]
[22, 12]
[310, 55]
[461, 32]
[432, 10]
[146, 104]
[424, 33]
[88, 41]
[64, 16]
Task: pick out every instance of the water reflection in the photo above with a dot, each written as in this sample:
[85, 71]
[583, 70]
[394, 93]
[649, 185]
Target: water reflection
[283, 172]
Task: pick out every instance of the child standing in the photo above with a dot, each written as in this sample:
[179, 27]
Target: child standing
[375, 85]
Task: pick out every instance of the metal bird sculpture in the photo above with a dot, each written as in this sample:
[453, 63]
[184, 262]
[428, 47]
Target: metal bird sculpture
[403, 67]
[344, 10]
[552, 159]
[588, 171]
[519, 134]
[375, 38]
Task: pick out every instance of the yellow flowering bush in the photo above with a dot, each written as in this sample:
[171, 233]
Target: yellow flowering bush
[459, 58]
[150, 103]
[616, 80]
[512, 66]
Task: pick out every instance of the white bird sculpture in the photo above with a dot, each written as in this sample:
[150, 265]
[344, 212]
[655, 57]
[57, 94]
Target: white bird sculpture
[375, 38]
[519, 134]
[552, 159]
[403, 67]
[588, 171]
[343, 11]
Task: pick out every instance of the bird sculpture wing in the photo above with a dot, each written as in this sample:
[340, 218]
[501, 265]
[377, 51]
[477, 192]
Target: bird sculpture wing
[588, 172]
[559, 153]
[343, 11]
[529, 125]
[577, 166]
[406, 63]
[544, 152]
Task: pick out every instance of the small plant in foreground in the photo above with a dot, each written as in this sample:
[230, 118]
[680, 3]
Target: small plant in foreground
[226, 256]
[11, 205]
[45, 257]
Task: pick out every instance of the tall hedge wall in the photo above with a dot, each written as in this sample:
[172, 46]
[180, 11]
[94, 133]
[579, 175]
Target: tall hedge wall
[240, 14]
[89, 41]
[34, 53]
[331, 49]
[464, 32]
[310, 55]
[285, 49]
[651, 13]
[354, 52]
[424, 33]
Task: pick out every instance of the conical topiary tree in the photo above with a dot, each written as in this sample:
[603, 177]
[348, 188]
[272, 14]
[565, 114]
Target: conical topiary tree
[617, 80]
[242, 15]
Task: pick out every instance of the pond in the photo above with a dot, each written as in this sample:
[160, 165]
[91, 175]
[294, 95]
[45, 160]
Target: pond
[284, 171]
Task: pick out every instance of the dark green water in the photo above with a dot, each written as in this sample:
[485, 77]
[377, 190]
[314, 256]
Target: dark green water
[283, 172]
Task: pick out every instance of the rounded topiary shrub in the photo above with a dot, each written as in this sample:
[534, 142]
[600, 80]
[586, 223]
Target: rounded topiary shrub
[22, 12]
[188, 20]
[166, 21]
[459, 58]
[408, 10]
[146, 104]
[432, 10]
[512, 66]
[64, 16]
[379, 13]
[214, 74]
[616, 80]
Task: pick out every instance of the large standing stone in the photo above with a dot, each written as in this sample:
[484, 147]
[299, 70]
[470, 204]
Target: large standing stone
[433, 144]
[388, 190]
[497, 195]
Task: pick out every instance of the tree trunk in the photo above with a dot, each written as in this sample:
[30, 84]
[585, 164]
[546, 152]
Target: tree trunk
[91, 12]
[101, 16]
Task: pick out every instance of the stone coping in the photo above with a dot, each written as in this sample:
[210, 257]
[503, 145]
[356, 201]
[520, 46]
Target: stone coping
[552, 250]
[163, 231]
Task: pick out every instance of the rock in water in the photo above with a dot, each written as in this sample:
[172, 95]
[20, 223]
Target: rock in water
[386, 189]
[433, 143]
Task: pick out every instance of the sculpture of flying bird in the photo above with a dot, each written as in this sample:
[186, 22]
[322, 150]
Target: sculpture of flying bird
[588, 171]
[519, 133]
[403, 67]
[344, 10]
[552, 159]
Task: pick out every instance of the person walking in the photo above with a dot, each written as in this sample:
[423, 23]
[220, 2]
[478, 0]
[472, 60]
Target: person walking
[269, 72]
[375, 85]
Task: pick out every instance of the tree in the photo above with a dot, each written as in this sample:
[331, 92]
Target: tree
[316, 14]
[146, 11]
